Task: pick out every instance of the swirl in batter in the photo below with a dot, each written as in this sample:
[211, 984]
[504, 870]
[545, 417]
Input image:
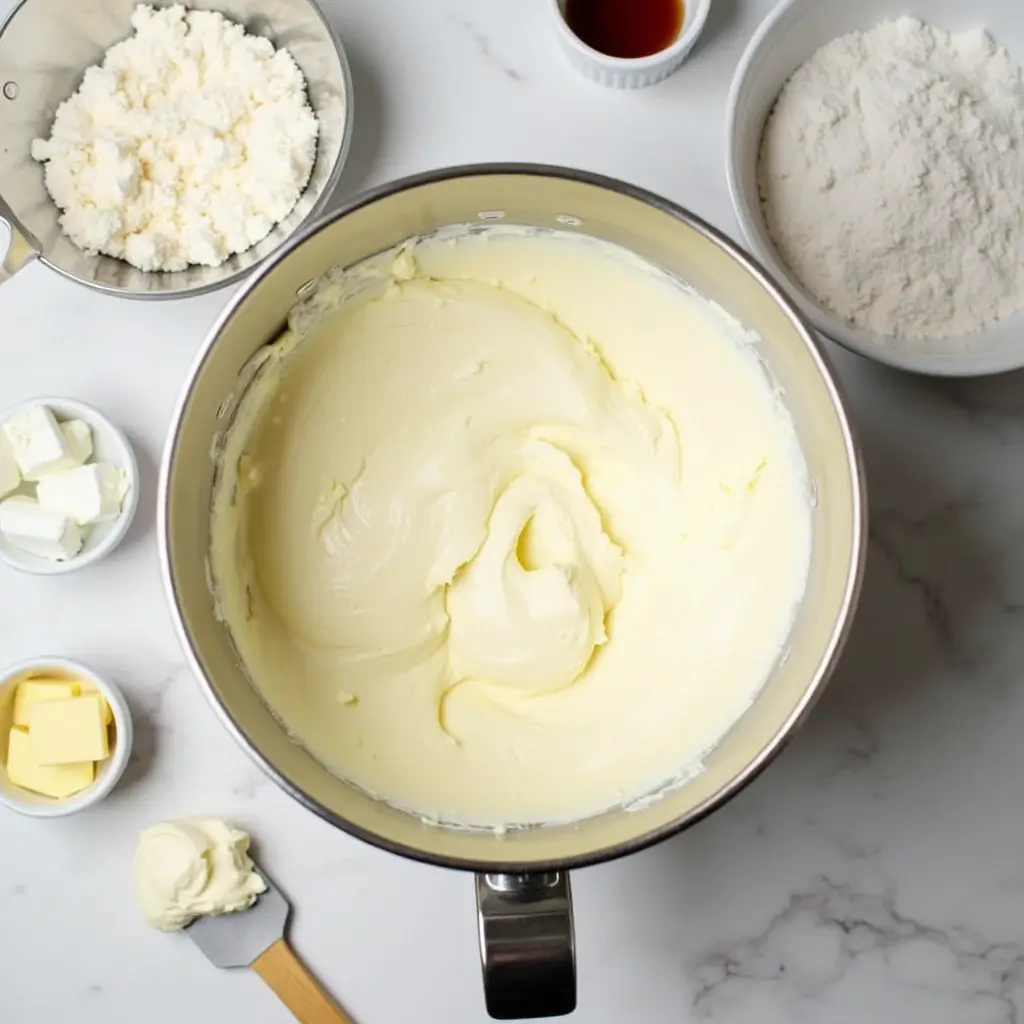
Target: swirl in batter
[514, 536]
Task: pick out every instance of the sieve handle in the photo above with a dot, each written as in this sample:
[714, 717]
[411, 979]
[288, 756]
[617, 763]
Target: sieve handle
[21, 249]
[527, 944]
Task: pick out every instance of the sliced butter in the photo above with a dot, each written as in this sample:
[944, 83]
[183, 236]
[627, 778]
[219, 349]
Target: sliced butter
[34, 690]
[108, 715]
[57, 781]
[68, 731]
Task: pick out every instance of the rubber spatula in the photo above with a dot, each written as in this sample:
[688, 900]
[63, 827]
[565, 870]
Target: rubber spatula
[255, 938]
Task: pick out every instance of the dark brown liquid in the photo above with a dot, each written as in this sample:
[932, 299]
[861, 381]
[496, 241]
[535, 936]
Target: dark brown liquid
[625, 28]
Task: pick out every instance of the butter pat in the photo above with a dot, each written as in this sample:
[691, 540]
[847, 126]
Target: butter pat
[87, 494]
[88, 688]
[68, 731]
[38, 443]
[39, 531]
[34, 691]
[56, 781]
[10, 474]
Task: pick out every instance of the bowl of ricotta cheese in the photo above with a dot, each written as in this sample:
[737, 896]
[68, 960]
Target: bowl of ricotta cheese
[512, 520]
[168, 148]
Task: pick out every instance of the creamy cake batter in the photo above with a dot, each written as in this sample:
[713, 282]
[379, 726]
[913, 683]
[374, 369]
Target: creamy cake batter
[515, 533]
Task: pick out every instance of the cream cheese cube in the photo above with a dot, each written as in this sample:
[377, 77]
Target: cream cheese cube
[38, 443]
[88, 494]
[78, 435]
[10, 474]
[39, 531]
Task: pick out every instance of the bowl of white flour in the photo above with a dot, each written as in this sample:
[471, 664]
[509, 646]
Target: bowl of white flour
[876, 167]
[156, 150]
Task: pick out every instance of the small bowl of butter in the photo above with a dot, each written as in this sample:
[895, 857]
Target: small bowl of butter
[68, 486]
[65, 737]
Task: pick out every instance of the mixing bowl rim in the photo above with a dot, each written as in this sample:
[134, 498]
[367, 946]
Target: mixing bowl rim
[854, 574]
[315, 209]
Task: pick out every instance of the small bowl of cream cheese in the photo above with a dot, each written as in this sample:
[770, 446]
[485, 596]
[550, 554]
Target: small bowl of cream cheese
[69, 486]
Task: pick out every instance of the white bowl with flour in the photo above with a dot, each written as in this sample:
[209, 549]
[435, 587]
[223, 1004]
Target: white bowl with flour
[895, 294]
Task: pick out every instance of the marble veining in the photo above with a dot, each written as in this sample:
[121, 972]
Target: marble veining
[481, 41]
[835, 949]
[875, 873]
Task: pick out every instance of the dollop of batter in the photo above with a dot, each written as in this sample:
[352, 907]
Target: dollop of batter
[187, 869]
[515, 533]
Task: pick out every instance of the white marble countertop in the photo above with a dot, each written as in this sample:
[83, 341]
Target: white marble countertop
[874, 873]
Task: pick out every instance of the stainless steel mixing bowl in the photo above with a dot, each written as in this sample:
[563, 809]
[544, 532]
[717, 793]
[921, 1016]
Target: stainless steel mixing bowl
[46, 45]
[523, 898]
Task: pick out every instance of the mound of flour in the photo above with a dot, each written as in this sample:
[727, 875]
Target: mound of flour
[892, 179]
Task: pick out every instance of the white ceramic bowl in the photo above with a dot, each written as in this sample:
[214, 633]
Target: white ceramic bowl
[636, 72]
[107, 772]
[109, 445]
[42, 64]
[786, 40]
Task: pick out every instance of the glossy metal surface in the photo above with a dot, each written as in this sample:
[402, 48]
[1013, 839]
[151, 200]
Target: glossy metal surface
[22, 248]
[527, 945]
[236, 939]
[547, 198]
[45, 45]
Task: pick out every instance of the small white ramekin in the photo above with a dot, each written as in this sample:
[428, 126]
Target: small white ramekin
[109, 445]
[630, 72]
[108, 772]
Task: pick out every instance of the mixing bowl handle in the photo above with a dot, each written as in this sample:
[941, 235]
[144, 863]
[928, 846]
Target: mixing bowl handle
[21, 249]
[527, 945]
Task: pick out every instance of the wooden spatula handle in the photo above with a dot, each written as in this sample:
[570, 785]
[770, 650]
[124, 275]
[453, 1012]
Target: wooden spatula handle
[282, 970]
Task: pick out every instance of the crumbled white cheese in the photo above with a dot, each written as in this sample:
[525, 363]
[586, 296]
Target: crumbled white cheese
[187, 145]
